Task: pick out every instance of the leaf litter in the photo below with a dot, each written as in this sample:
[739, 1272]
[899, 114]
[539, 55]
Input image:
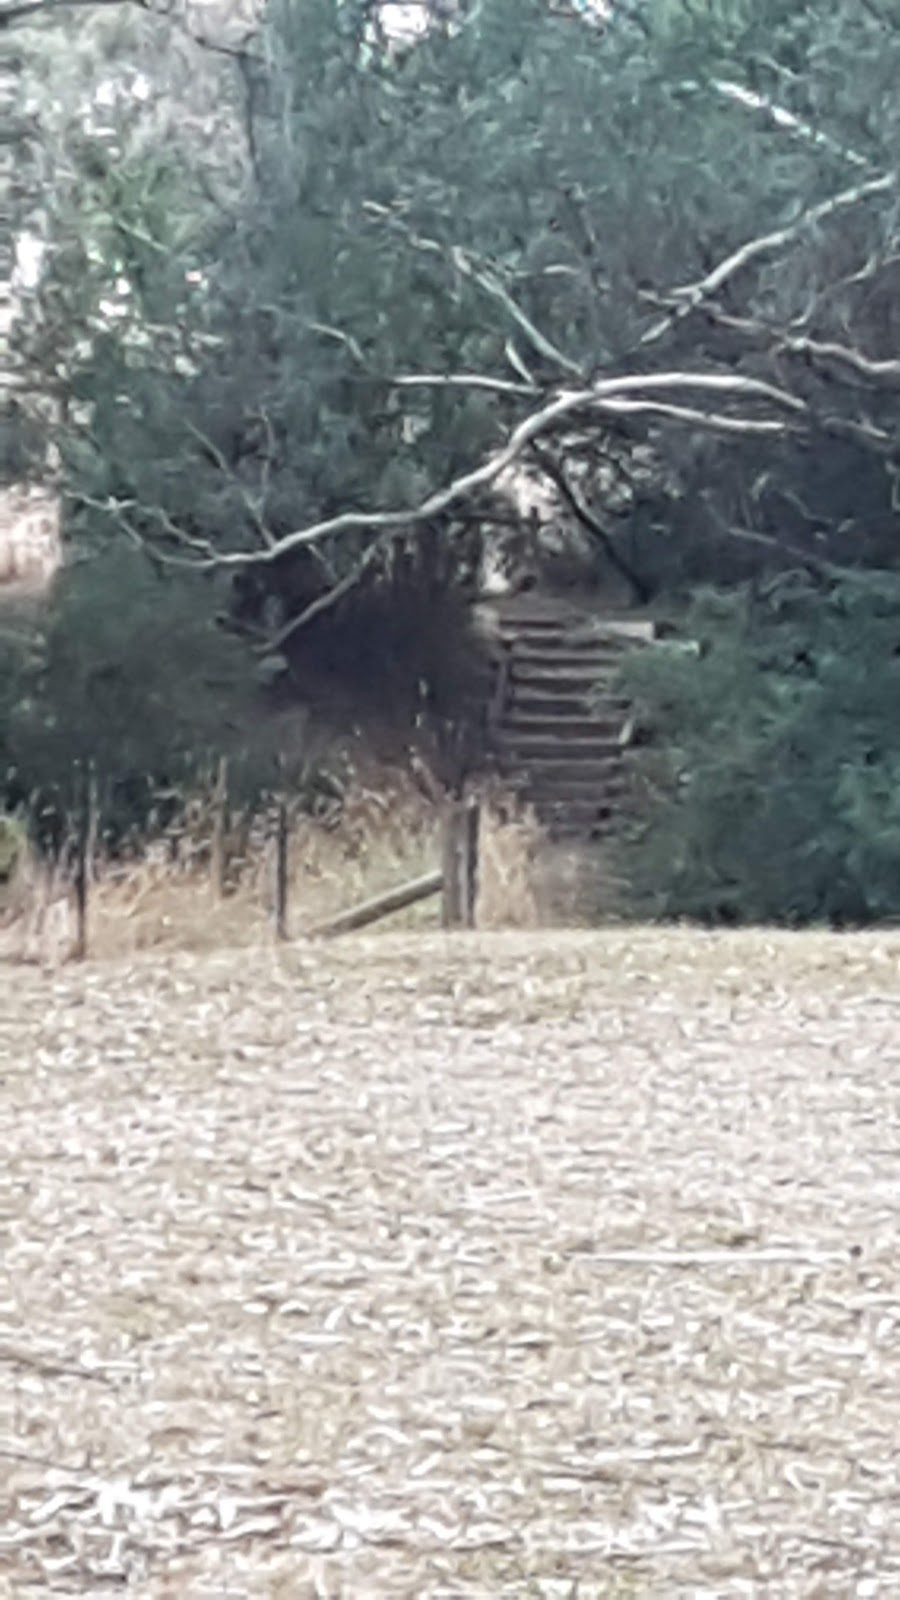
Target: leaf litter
[524, 1264]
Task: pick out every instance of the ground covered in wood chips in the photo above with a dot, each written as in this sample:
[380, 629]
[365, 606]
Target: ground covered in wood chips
[532, 1265]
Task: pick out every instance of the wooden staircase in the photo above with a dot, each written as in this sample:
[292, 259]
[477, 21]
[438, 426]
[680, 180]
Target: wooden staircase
[558, 718]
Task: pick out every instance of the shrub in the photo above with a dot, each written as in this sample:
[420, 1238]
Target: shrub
[127, 672]
[781, 757]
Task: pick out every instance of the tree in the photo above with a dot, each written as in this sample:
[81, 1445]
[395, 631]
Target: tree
[659, 254]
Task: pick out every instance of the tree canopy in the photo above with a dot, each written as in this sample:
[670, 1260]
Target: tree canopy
[306, 277]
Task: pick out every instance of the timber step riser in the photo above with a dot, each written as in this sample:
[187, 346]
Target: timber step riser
[573, 776]
[518, 751]
[587, 678]
[558, 737]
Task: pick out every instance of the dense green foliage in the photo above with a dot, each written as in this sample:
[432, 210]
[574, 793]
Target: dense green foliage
[778, 777]
[517, 191]
[127, 676]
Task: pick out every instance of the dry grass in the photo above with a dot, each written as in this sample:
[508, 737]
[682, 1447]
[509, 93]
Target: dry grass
[388, 832]
[554, 1265]
[510, 848]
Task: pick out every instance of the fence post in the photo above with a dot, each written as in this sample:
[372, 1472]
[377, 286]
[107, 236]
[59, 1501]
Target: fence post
[281, 869]
[469, 862]
[85, 844]
[219, 847]
[460, 862]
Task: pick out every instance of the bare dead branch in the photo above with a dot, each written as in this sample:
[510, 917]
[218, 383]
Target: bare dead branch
[786, 121]
[716, 421]
[865, 432]
[693, 295]
[517, 363]
[818, 566]
[480, 273]
[606, 395]
[326, 602]
[624, 394]
[887, 371]
[463, 380]
[491, 285]
[340, 337]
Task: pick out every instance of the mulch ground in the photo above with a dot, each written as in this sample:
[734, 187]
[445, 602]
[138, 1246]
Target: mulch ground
[533, 1265]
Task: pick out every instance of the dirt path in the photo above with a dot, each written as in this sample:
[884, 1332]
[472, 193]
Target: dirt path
[552, 1265]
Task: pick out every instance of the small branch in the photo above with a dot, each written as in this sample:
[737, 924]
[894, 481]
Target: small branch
[464, 380]
[517, 363]
[331, 597]
[253, 510]
[717, 421]
[491, 284]
[880, 16]
[692, 295]
[844, 355]
[866, 433]
[347, 339]
[206, 553]
[786, 121]
[487, 280]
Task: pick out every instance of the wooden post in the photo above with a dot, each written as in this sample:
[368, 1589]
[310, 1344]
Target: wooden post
[281, 870]
[469, 863]
[451, 908]
[460, 863]
[219, 846]
[84, 846]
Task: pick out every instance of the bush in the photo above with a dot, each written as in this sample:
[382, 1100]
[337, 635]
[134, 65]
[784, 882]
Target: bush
[128, 673]
[780, 750]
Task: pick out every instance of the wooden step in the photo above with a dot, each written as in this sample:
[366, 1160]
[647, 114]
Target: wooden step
[563, 832]
[577, 814]
[578, 680]
[606, 788]
[578, 631]
[548, 700]
[529, 747]
[610, 657]
[606, 720]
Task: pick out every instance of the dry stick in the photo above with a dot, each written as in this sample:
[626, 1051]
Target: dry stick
[281, 870]
[737, 1256]
[381, 905]
[218, 849]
